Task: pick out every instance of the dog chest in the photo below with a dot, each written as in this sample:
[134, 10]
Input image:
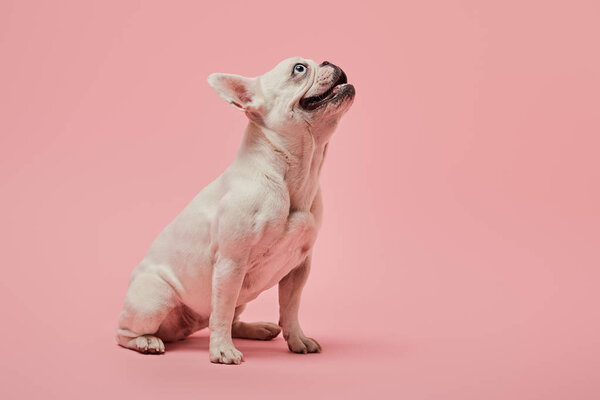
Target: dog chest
[270, 262]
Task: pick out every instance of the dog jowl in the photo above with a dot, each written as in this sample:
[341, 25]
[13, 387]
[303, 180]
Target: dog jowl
[251, 228]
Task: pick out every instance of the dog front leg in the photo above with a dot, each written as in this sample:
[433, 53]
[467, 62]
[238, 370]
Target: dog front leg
[290, 291]
[226, 283]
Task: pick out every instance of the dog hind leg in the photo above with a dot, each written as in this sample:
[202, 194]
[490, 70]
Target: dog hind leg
[148, 301]
[181, 322]
[253, 330]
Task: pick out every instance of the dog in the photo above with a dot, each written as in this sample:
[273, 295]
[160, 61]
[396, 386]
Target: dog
[251, 228]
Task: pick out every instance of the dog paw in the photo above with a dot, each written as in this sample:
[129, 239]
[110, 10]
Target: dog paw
[266, 330]
[256, 330]
[225, 354]
[303, 345]
[147, 344]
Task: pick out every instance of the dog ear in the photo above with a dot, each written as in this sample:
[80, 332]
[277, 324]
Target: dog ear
[239, 91]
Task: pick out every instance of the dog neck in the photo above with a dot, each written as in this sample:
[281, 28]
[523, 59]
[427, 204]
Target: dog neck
[297, 160]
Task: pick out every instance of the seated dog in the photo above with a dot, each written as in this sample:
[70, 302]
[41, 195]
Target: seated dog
[251, 228]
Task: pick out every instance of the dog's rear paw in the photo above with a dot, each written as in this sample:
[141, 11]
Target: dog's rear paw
[303, 344]
[255, 330]
[147, 344]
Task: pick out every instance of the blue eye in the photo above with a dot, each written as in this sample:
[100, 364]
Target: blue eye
[299, 68]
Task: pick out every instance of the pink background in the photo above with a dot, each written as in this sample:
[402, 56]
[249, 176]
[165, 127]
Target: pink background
[459, 257]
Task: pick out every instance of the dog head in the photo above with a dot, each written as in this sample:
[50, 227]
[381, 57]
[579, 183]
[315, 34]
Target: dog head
[297, 95]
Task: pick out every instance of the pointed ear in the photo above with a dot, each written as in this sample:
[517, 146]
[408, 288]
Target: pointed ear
[240, 91]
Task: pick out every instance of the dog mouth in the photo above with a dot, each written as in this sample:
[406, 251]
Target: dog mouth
[338, 90]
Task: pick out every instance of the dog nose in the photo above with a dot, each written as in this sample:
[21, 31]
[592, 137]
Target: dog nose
[324, 63]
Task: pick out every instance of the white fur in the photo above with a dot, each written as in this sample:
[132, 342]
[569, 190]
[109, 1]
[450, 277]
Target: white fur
[252, 228]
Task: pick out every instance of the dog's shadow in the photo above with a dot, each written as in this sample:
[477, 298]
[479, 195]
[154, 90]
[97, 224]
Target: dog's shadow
[199, 343]
[190, 343]
[251, 348]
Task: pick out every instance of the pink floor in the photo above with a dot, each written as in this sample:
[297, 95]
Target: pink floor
[459, 254]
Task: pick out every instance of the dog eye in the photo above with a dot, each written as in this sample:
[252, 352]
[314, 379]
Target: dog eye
[299, 69]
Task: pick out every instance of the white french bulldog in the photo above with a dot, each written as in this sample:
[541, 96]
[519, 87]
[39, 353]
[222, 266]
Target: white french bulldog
[251, 228]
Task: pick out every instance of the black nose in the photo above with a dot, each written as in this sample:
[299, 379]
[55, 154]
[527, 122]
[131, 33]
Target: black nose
[324, 63]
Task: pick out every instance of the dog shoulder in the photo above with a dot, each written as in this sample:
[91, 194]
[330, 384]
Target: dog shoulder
[249, 210]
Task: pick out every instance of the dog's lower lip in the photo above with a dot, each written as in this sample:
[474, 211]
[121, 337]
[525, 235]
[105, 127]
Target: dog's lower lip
[314, 102]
